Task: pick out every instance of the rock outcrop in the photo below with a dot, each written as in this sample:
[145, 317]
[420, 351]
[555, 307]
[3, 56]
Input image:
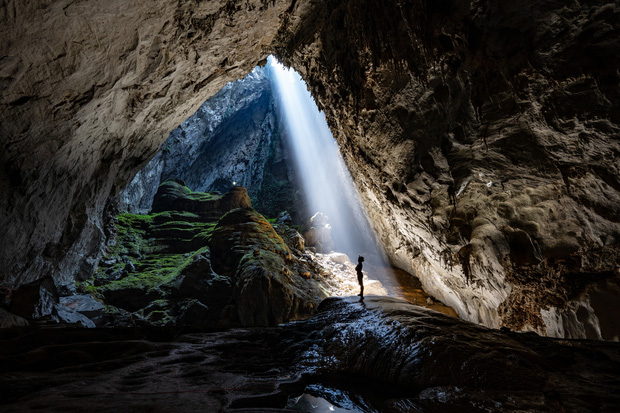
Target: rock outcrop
[235, 138]
[202, 260]
[484, 139]
[272, 284]
[482, 136]
[175, 196]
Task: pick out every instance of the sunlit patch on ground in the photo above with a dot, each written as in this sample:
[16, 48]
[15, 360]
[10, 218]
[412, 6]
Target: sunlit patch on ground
[340, 275]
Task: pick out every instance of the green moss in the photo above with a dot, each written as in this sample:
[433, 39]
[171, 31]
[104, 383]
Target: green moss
[153, 272]
[204, 196]
[268, 260]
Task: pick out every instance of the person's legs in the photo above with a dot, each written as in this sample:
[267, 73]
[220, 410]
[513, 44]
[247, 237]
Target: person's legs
[361, 281]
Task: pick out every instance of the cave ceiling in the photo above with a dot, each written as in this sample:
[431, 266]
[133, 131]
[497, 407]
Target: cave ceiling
[483, 136]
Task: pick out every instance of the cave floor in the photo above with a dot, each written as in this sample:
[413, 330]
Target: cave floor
[379, 354]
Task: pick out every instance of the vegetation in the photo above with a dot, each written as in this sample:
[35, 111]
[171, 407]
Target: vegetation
[149, 252]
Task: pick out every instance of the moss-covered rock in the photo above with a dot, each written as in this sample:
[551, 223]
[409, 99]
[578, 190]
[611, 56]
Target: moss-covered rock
[152, 257]
[240, 231]
[158, 271]
[271, 285]
[173, 195]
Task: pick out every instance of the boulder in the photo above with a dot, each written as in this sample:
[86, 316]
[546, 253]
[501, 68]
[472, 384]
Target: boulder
[339, 258]
[83, 303]
[317, 233]
[65, 315]
[8, 320]
[35, 300]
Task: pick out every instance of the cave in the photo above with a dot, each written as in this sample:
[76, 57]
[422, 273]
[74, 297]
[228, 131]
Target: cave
[482, 140]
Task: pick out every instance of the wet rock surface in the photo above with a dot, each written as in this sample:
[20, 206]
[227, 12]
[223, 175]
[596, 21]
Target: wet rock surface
[378, 355]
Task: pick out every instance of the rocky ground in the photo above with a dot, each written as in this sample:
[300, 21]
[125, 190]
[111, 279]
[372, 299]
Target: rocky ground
[382, 354]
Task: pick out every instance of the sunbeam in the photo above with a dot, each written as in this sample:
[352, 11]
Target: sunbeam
[326, 181]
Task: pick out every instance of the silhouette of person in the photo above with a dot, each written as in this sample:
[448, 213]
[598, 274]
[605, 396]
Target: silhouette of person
[360, 276]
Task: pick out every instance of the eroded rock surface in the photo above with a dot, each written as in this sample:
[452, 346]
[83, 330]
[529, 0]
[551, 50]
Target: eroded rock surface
[483, 137]
[272, 283]
[484, 141]
[203, 260]
[89, 93]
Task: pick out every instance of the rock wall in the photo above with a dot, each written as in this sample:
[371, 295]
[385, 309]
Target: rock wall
[483, 136]
[235, 136]
[484, 139]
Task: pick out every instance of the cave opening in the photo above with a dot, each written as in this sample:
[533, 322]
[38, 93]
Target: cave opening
[483, 139]
[266, 134]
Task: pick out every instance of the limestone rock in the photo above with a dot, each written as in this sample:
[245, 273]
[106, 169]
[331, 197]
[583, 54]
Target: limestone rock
[194, 313]
[234, 138]
[268, 283]
[468, 136]
[84, 304]
[242, 231]
[284, 218]
[293, 239]
[317, 233]
[339, 258]
[407, 359]
[199, 281]
[65, 315]
[173, 195]
[35, 300]
[460, 123]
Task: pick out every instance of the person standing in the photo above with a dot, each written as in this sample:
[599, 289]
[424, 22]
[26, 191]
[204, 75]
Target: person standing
[360, 276]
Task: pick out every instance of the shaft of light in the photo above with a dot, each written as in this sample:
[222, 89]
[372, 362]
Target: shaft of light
[326, 181]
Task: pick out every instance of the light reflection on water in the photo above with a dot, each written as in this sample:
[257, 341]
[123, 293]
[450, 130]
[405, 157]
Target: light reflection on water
[309, 403]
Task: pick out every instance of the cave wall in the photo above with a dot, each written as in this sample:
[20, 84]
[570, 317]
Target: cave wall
[90, 90]
[235, 136]
[484, 139]
[483, 136]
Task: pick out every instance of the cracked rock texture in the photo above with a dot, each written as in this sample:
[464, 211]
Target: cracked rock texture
[483, 136]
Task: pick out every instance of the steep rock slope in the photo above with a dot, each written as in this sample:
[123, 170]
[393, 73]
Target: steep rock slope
[234, 137]
[483, 136]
